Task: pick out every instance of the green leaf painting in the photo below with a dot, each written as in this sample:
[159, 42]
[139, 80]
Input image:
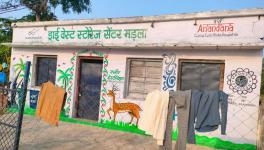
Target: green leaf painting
[20, 66]
[65, 77]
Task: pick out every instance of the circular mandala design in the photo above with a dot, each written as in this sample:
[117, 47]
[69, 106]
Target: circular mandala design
[242, 81]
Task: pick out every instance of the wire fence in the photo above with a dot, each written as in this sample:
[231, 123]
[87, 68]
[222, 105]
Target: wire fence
[12, 102]
[10, 107]
[35, 134]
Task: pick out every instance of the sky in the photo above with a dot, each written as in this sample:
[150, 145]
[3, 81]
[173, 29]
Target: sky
[129, 8]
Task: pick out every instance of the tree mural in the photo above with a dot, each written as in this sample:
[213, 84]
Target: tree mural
[20, 66]
[65, 77]
[70, 81]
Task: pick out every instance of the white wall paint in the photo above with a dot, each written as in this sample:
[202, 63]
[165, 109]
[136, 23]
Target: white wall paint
[236, 131]
[245, 30]
[242, 120]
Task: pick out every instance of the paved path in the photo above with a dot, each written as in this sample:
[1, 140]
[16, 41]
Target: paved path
[37, 135]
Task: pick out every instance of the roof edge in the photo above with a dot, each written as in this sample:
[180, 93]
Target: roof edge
[139, 45]
[144, 19]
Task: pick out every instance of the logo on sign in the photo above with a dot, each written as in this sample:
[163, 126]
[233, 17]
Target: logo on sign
[33, 35]
[221, 27]
[216, 29]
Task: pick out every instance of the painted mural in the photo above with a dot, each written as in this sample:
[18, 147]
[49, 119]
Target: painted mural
[132, 109]
[65, 77]
[20, 65]
[114, 75]
[242, 81]
[243, 100]
[66, 80]
[242, 84]
[18, 68]
[169, 74]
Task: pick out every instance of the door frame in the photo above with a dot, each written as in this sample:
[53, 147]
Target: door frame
[78, 78]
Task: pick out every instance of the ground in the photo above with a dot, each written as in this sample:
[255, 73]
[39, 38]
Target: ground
[38, 135]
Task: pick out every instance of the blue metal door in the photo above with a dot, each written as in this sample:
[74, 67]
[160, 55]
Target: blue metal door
[89, 88]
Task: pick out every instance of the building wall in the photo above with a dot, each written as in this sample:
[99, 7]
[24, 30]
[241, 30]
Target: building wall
[191, 33]
[221, 31]
[242, 109]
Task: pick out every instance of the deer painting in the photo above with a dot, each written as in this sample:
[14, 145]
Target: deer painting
[131, 108]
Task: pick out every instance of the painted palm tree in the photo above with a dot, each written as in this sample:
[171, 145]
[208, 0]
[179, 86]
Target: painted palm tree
[20, 69]
[20, 66]
[65, 77]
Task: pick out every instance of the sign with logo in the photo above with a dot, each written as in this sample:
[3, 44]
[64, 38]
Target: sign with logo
[230, 31]
[33, 35]
[216, 29]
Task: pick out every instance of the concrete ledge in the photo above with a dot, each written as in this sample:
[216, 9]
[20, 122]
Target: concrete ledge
[246, 46]
[144, 19]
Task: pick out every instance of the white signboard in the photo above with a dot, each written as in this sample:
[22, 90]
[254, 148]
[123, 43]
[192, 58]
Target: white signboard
[211, 31]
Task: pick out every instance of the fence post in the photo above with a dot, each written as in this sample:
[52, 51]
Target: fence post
[14, 86]
[22, 105]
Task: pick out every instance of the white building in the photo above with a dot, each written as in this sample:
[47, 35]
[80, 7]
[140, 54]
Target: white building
[210, 50]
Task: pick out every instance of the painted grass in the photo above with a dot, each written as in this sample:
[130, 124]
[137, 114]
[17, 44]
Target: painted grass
[220, 144]
[125, 127]
[217, 143]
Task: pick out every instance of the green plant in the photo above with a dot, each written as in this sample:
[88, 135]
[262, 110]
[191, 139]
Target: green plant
[5, 36]
[42, 8]
[262, 79]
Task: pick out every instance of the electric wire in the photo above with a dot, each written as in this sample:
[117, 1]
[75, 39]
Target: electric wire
[13, 10]
[16, 8]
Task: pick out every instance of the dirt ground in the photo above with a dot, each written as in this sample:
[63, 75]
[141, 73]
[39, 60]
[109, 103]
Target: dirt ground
[37, 135]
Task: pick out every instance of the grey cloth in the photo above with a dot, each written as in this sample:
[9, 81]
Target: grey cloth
[195, 99]
[204, 112]
[182, 100]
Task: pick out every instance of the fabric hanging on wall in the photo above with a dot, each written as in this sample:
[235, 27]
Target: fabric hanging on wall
[204, 112]
[154, 117]
[180, 99]
[196, 110]
[50, 103]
